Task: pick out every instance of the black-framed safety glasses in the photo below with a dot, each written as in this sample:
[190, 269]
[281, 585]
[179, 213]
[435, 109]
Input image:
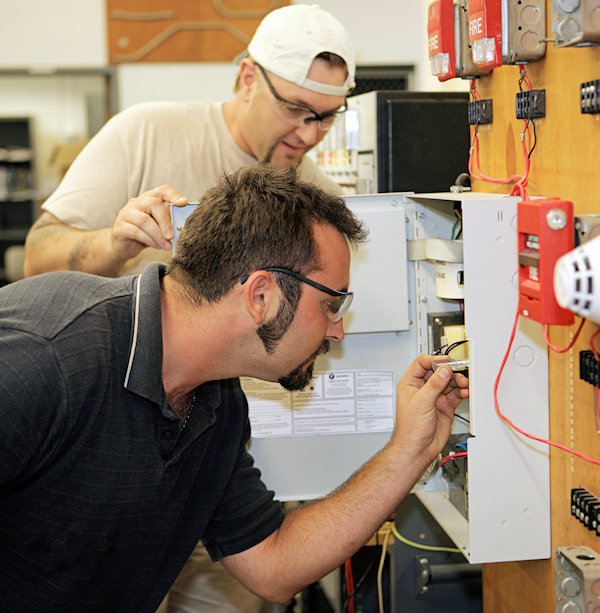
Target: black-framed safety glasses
[333, 309]
[299, 114]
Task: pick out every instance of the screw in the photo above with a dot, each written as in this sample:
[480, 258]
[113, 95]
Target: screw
[556, 219]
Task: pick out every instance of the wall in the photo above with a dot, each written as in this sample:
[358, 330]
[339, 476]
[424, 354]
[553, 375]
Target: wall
[42, 35]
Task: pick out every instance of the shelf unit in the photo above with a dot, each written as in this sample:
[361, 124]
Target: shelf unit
[17, 184]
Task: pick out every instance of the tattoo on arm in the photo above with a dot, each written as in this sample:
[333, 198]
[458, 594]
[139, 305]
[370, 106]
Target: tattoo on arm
[79, 253]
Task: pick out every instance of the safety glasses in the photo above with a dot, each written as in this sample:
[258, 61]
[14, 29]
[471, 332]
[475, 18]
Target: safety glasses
[334, 308]
[298, 114]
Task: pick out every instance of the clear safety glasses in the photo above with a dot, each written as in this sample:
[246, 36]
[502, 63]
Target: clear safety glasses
[298, 114]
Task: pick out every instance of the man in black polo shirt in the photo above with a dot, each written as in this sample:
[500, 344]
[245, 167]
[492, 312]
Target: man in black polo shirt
[125, 428]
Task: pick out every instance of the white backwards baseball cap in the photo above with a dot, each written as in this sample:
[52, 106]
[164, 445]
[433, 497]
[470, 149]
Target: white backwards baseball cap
[288, 39]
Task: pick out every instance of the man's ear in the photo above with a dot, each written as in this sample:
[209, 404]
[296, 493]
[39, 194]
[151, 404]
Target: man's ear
[247, 78]
[261, 296]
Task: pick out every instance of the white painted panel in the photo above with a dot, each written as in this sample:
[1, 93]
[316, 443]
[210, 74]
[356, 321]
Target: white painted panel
[203, 82]
[57, 34]
[508, 474]
[378, 273]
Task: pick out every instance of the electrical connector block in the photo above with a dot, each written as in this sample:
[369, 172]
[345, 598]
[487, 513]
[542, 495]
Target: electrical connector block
[585, 506]
[589, 96]
[531, 104]
[480, 112]
[589, 368]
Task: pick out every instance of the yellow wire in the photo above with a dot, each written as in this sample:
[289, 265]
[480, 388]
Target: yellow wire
[419, 546]
[380, 569]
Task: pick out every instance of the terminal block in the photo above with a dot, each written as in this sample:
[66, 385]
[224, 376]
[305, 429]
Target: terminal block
[589, 96]
[585, 506]
[589, 368]
[480, 112]
[531, 104]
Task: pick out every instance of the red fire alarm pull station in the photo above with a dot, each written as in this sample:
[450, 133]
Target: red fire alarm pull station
[485, 32]
[545, 228]
[440, 38]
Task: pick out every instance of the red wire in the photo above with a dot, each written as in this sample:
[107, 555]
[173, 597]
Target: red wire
[453, 456]
[569, 345]
[349, 585]
[511, 424]
[592, 340]
[475, 168]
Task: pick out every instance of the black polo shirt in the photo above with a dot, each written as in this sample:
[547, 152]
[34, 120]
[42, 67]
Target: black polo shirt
[103, 495]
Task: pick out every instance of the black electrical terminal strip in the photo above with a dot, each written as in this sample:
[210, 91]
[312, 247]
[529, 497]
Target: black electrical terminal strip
[589, 367]
[531, 104]
[589, 96]
[480, 112]
[585, 506]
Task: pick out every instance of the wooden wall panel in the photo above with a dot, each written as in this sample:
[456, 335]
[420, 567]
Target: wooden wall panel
[182, 30]
[565, 163]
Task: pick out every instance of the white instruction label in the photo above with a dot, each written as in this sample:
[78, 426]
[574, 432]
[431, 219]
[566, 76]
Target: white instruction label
[336, 402]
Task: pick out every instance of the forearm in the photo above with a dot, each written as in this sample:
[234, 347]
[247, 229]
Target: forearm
[52, 245]
[315, 539]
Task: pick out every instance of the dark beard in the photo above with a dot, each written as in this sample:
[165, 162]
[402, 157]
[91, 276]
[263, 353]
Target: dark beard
[301, 376]
[269, 157]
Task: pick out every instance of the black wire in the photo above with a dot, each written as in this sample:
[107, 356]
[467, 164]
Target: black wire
[359, 582]
[534, 140]
[467, 421]
[454, 345]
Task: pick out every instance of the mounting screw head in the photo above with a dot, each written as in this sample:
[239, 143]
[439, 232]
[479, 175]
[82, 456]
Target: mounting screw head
[556, 219]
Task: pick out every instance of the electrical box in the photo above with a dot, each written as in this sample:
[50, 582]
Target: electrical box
[495, 503]
[523, 31]
[321, 451]
[459, 280]
[577, 576]
[576, 22]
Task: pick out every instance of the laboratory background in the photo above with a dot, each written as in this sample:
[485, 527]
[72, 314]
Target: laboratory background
[470, 148]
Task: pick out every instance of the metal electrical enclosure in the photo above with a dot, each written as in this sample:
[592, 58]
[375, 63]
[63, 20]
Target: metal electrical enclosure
[508, 480]
[503, 511]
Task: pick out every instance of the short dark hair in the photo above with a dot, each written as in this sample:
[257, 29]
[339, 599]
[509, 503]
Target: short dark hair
[256, 218]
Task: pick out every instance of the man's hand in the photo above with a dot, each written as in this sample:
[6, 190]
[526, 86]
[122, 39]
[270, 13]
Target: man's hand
[145, 221]
[426, 401]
